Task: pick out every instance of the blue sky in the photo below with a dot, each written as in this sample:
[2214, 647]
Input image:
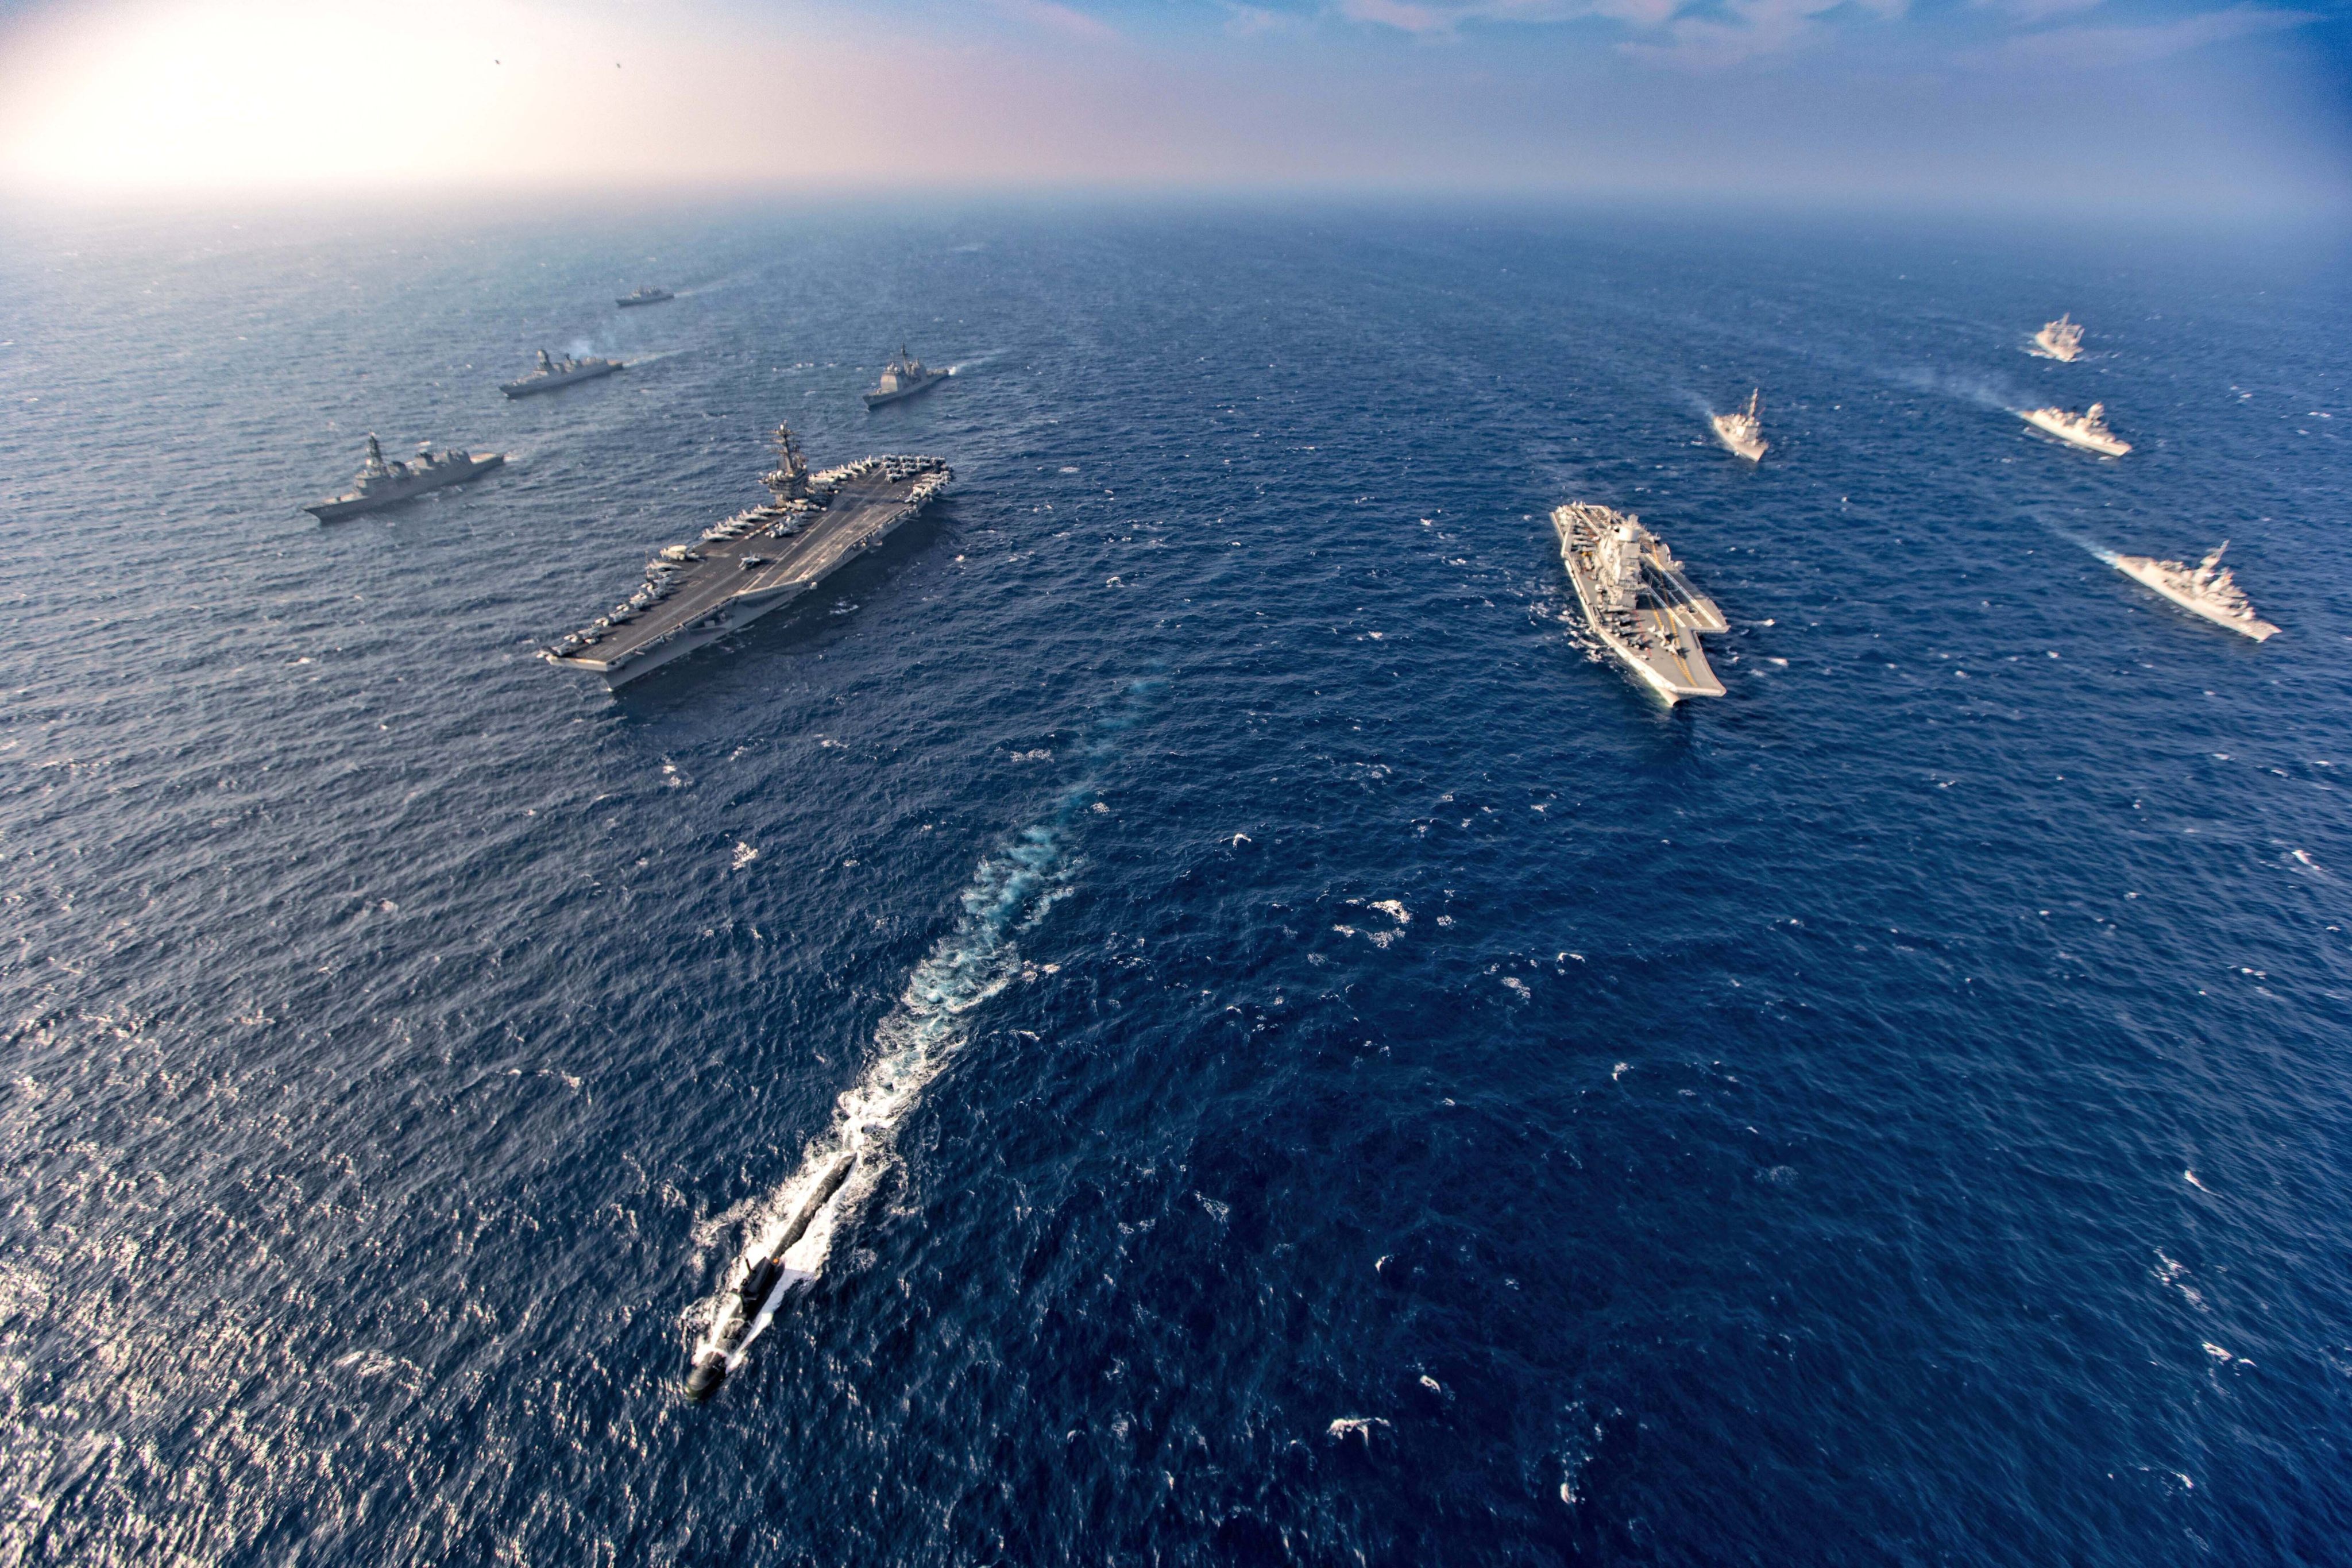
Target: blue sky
[2162, 104]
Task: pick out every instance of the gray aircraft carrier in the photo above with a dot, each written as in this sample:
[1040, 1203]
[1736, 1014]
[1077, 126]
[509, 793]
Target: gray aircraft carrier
[757, 561]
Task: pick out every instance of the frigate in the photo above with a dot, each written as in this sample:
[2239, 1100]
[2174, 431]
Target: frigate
[903, 377]
[2208, 590]
[1742, 429]
[757, 561]
[2087, 429]
[381, 484]
[1637, 600]
[648, 295]
[551, 373]
[2060, 340]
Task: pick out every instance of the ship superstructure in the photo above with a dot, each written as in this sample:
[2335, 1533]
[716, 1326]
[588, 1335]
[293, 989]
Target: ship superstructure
[2060, 340]
[1637, 599]
[551, 373]
[648, 295]
[904, 376]
[381, 484]
[1742, 429]
[2208, 590]
[757, 561]
[2087, 429]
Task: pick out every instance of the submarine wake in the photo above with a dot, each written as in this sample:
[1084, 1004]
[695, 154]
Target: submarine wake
[790, 1233]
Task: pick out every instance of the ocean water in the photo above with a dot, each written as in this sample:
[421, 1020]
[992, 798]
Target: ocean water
[1349, 1078]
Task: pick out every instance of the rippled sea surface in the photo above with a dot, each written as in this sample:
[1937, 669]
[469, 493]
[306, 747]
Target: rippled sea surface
[1390, 1091]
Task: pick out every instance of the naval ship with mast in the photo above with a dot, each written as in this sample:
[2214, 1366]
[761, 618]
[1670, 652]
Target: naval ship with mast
[2087, 429]
[1742, 429]
[2059, 339]
[1637, 599]
[2208, 590]
[380, 484]
[757, 561]
[648, 295]
[551, 373]
[904, 376]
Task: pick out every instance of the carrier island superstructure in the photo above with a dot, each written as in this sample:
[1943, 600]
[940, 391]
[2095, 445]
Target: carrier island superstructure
[1637, 601]
[755, 562]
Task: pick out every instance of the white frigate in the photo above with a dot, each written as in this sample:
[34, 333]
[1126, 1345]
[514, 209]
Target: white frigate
[2208, 590]
[1742, 429]
[2087, 429]
[2061, 339]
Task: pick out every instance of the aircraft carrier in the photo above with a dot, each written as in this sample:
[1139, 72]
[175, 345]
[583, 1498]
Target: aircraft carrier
[755, 562]
[1637, 600]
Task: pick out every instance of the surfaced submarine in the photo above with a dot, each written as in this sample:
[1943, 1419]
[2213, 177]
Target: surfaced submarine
[767, 1283]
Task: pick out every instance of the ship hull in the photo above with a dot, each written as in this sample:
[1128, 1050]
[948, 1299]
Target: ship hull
[628, 301]
[876, 399]
[531, 387]
[2144, 569]
[341, 507]
[2106, 447]
[1675, 667]
[2042, 348]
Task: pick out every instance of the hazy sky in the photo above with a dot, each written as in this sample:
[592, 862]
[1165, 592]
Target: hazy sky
[2211, 104]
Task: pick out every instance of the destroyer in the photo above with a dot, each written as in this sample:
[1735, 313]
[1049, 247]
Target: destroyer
[903, 377]
[2061, 339]
[754, 562]
[648, 295]
[1742, 429]
[1637, 601]
[2087, 429]
[764, 1282]
[381, 484]
[2208, 591]
[554, 372]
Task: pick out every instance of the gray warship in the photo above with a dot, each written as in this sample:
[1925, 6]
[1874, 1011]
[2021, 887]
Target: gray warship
[903, 377]
[648, 295]
[381, 484]
[757, 561]
[1637, 601]
[554, 372]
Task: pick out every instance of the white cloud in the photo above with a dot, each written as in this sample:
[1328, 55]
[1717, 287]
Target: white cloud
[1254, 21]
[2090, 48]
[1064, 19]
[1748, 29]
[2032, 11]
[1736, 31]
[1445, 16]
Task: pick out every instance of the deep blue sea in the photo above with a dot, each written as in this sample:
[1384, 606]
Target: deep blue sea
[1378, 1088]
